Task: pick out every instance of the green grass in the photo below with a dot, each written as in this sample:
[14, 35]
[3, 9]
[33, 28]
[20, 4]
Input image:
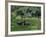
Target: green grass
[35, 24]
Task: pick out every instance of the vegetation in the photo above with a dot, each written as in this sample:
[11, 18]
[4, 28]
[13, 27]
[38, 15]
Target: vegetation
[25, 18]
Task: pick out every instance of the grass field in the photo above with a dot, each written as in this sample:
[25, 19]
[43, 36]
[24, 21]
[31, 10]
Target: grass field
[35, 24]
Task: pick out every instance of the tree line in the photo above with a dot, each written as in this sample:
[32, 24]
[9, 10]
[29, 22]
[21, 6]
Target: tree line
[29, 11]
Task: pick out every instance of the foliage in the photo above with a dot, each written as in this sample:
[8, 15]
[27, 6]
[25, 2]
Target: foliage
[25, 14]
[28, 10]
